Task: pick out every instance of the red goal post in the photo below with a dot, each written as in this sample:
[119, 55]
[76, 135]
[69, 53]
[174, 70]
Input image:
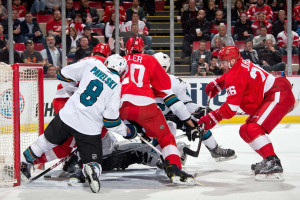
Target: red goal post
[21, 115]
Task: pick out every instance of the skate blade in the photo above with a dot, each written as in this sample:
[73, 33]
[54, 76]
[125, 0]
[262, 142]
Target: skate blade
[189, 181]
[276, 177]
[93, 183]
[74, 182]
[222, 159]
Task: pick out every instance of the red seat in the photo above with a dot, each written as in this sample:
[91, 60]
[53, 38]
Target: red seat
[159, 5]
[19, 46]
[98, 31]
[38, 46]
[76, 5]
[240, 44]
[275, 16]
[295, 59]
[44, 18]
[197, 43]
[108, 3]
[127, 5]
[95, 4]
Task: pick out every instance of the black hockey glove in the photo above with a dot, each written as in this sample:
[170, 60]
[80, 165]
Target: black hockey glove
[200, 112]
[192, 133]
[133, 132]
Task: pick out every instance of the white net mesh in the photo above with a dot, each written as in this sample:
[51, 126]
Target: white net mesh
[28, 97]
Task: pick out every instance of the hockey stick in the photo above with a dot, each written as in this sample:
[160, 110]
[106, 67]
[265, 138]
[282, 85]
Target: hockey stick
[52, 167]
[190, 152]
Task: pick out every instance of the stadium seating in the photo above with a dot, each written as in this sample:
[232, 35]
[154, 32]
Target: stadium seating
[197, 43]
[159, 5]
[38, 46]
[97, 31]
[295, 59]
[127, 5]
[108, 3]
[44, 18]
[274, 16]
[95, 4]
[19, 46]
[76, 5]
[240, 44]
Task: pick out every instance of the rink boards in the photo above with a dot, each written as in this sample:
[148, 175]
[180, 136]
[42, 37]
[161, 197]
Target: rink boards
[196, 89]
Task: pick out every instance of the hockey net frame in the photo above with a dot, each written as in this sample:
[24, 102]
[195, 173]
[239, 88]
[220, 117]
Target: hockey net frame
[19, 76]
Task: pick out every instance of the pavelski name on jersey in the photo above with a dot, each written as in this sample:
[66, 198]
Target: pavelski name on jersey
[104, 77]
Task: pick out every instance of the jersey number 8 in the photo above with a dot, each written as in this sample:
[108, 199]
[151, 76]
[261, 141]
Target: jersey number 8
[92, 92]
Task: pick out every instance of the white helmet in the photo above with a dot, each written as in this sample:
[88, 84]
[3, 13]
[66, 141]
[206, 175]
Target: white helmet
[116, 62]
[163, 59]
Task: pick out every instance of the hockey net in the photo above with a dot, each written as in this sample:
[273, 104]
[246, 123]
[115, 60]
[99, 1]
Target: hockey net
[21, 116]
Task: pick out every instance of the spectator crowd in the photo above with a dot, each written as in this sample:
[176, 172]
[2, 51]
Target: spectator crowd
[259, 27]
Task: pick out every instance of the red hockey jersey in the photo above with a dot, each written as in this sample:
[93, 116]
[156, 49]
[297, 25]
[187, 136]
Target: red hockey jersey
[144, 73]
[246, 85]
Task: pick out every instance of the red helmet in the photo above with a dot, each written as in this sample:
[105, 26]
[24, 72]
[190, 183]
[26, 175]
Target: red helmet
[136, 44]
[103, 49]
[229, 52]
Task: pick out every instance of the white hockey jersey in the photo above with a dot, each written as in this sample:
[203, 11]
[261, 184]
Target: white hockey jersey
[180, 89]
[96, 102]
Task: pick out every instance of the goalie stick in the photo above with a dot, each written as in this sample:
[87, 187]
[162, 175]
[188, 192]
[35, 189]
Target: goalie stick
[190, 152]
[52, 167]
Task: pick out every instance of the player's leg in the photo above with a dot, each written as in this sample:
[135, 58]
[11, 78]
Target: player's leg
[90, 151]
[270, 113]
[55, 134]
[152, 120]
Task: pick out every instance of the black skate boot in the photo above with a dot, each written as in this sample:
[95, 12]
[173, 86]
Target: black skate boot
[69, 165]
[177, 175]
[220, 154]
[25, 169]
[258, 165]
[270, 170]
[77, 179]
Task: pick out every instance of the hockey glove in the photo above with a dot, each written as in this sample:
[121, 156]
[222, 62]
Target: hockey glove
[200, 112]
[210, 120]
[192, 133]
[133, 132]
[214, 87]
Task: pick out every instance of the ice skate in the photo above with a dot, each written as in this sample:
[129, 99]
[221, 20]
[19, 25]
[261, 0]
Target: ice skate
[92, 173]
[180, 146]
[25, 169]
[270, 170]
[179, 176]
[258, 166]
[77, 179]
[220, 154]
[69, 165]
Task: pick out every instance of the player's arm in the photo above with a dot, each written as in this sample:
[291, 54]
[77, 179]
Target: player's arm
[111, 116]
[228, 109]
[71, 74]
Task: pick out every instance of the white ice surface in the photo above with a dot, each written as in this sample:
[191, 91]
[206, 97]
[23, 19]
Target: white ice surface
[227, 180]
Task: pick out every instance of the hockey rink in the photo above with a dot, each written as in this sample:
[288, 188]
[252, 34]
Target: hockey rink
[226, 180]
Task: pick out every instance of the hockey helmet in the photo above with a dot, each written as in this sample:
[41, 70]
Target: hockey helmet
[163, 59]
[116, 63]
[103, 49]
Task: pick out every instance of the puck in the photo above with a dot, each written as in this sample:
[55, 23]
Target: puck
[47, 176]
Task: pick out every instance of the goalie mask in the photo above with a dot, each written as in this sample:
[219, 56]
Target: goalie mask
[163, 59]
[116, 63]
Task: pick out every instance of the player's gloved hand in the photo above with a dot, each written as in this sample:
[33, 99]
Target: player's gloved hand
[214, 87]
[210, 120]
[200, 112]
[192, 133]
[131, 133]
